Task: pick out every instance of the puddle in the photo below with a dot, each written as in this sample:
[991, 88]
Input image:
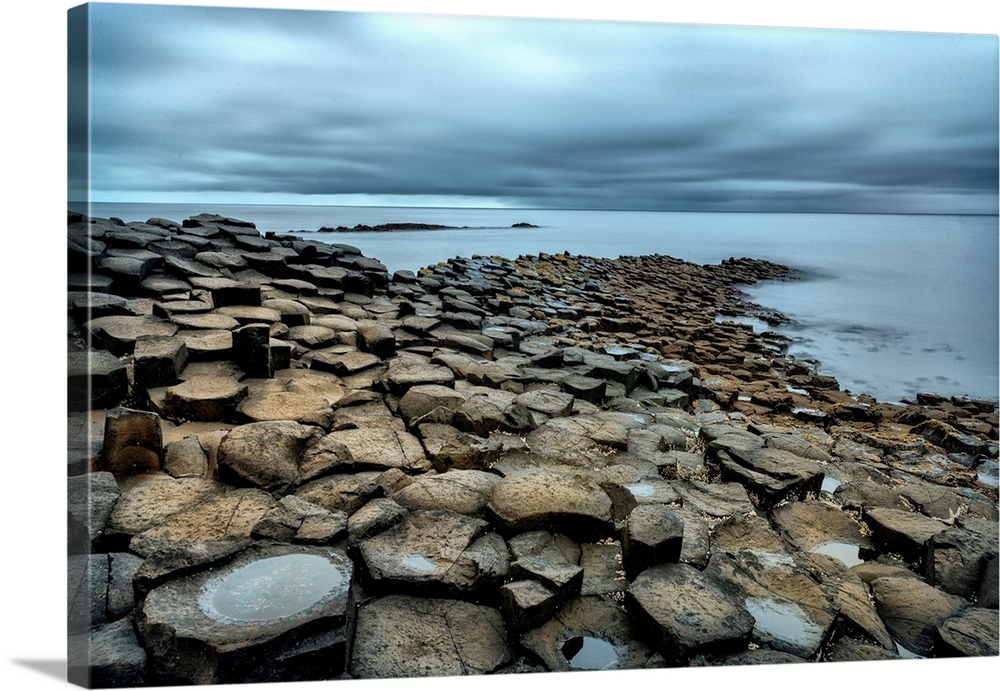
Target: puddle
[907, 654]
[830, 484]
[784, 622]
[844, 551]
[588, 652]
[641, 489]
[419, 562]
[272, 588]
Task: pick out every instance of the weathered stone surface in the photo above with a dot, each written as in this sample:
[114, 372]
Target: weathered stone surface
[716, 500]
[684, 613]
[771, 474]
[118, 334]
[436, 553]
[913, 610]
[373, 518]
[159, 361]
[230, 625]
[404, 373]
[107, 657]
[186, 458]
[957, 557]
[206, 399]
[462, 491]
[527, 604]
[341, 492]
[344, 364]
[447, 448]
[377, 339]
[302, 407]
[902, 532]
[602, 569]
[792, 611]
[264, 454]
[87, 586]
[377, 447]
[653, 534]
[96, 379]
[399, 636]
[90, 499]
[186, 509]
[421, 399]
[812, 525]
[561, 501]
[972, 633]
[133, 442]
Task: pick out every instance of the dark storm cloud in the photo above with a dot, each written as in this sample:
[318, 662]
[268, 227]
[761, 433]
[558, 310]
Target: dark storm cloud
[196, 101]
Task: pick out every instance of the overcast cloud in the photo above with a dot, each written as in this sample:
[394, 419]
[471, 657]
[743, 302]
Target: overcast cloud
[237, 105]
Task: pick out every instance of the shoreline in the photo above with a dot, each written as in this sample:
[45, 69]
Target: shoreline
[496, 415]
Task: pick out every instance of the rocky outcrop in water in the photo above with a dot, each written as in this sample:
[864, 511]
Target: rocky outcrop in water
[281, 452]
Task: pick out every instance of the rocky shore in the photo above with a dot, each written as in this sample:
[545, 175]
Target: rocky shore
[286, 463]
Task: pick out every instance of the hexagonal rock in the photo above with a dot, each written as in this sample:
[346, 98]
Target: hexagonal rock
[551, 403]
[589, 633]
[159, 361]
[901, 532]
[226, 292]
[346, 492]
[373, 518]
[685, 612]
[448, 449]
[462, 491]
[306, 408]
[273, 614]
[561, 578]
[186, 509]
[264, 454]
[107, 657]
[913, 611]
[119, 333]
[559, 501]
[383, 447]
[133, 442]
[435, 553]
[771, 474]
[794, 613]
[297, 520]
[90, 499]
[403, 374]
[527, 604]
[957, 558]
[808, 525]
[973, 633]
[208, 344]
[344, 364]
[421, 399]
[653, 535]
[206, 398]
[399, 636]
[95, 379]
[377, 339]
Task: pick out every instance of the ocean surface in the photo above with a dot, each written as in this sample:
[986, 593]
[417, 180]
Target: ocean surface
[890, 305]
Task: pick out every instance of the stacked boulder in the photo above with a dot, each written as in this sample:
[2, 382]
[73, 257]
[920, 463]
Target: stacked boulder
[281, 452]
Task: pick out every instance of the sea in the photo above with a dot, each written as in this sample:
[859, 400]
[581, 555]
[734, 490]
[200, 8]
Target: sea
[890, 305]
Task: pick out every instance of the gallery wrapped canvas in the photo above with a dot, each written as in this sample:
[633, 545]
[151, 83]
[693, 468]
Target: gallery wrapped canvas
[412, 345]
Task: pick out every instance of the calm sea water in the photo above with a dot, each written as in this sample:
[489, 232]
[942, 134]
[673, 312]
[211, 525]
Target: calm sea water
[891, 305]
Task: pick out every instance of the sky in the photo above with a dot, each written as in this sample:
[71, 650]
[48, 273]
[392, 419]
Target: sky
[235, 105]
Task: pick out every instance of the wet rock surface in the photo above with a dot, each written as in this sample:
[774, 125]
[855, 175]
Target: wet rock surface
[287, 464]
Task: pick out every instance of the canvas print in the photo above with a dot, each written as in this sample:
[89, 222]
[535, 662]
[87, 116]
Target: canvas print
[412, 345]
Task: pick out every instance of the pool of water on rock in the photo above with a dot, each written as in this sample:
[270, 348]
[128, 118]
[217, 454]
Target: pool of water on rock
[271, 588]
[590, 652]
[844, 551]
[419, 562]
[783, 622]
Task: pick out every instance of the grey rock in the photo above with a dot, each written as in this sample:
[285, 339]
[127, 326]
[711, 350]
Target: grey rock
[399, 636]
[684, 613]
